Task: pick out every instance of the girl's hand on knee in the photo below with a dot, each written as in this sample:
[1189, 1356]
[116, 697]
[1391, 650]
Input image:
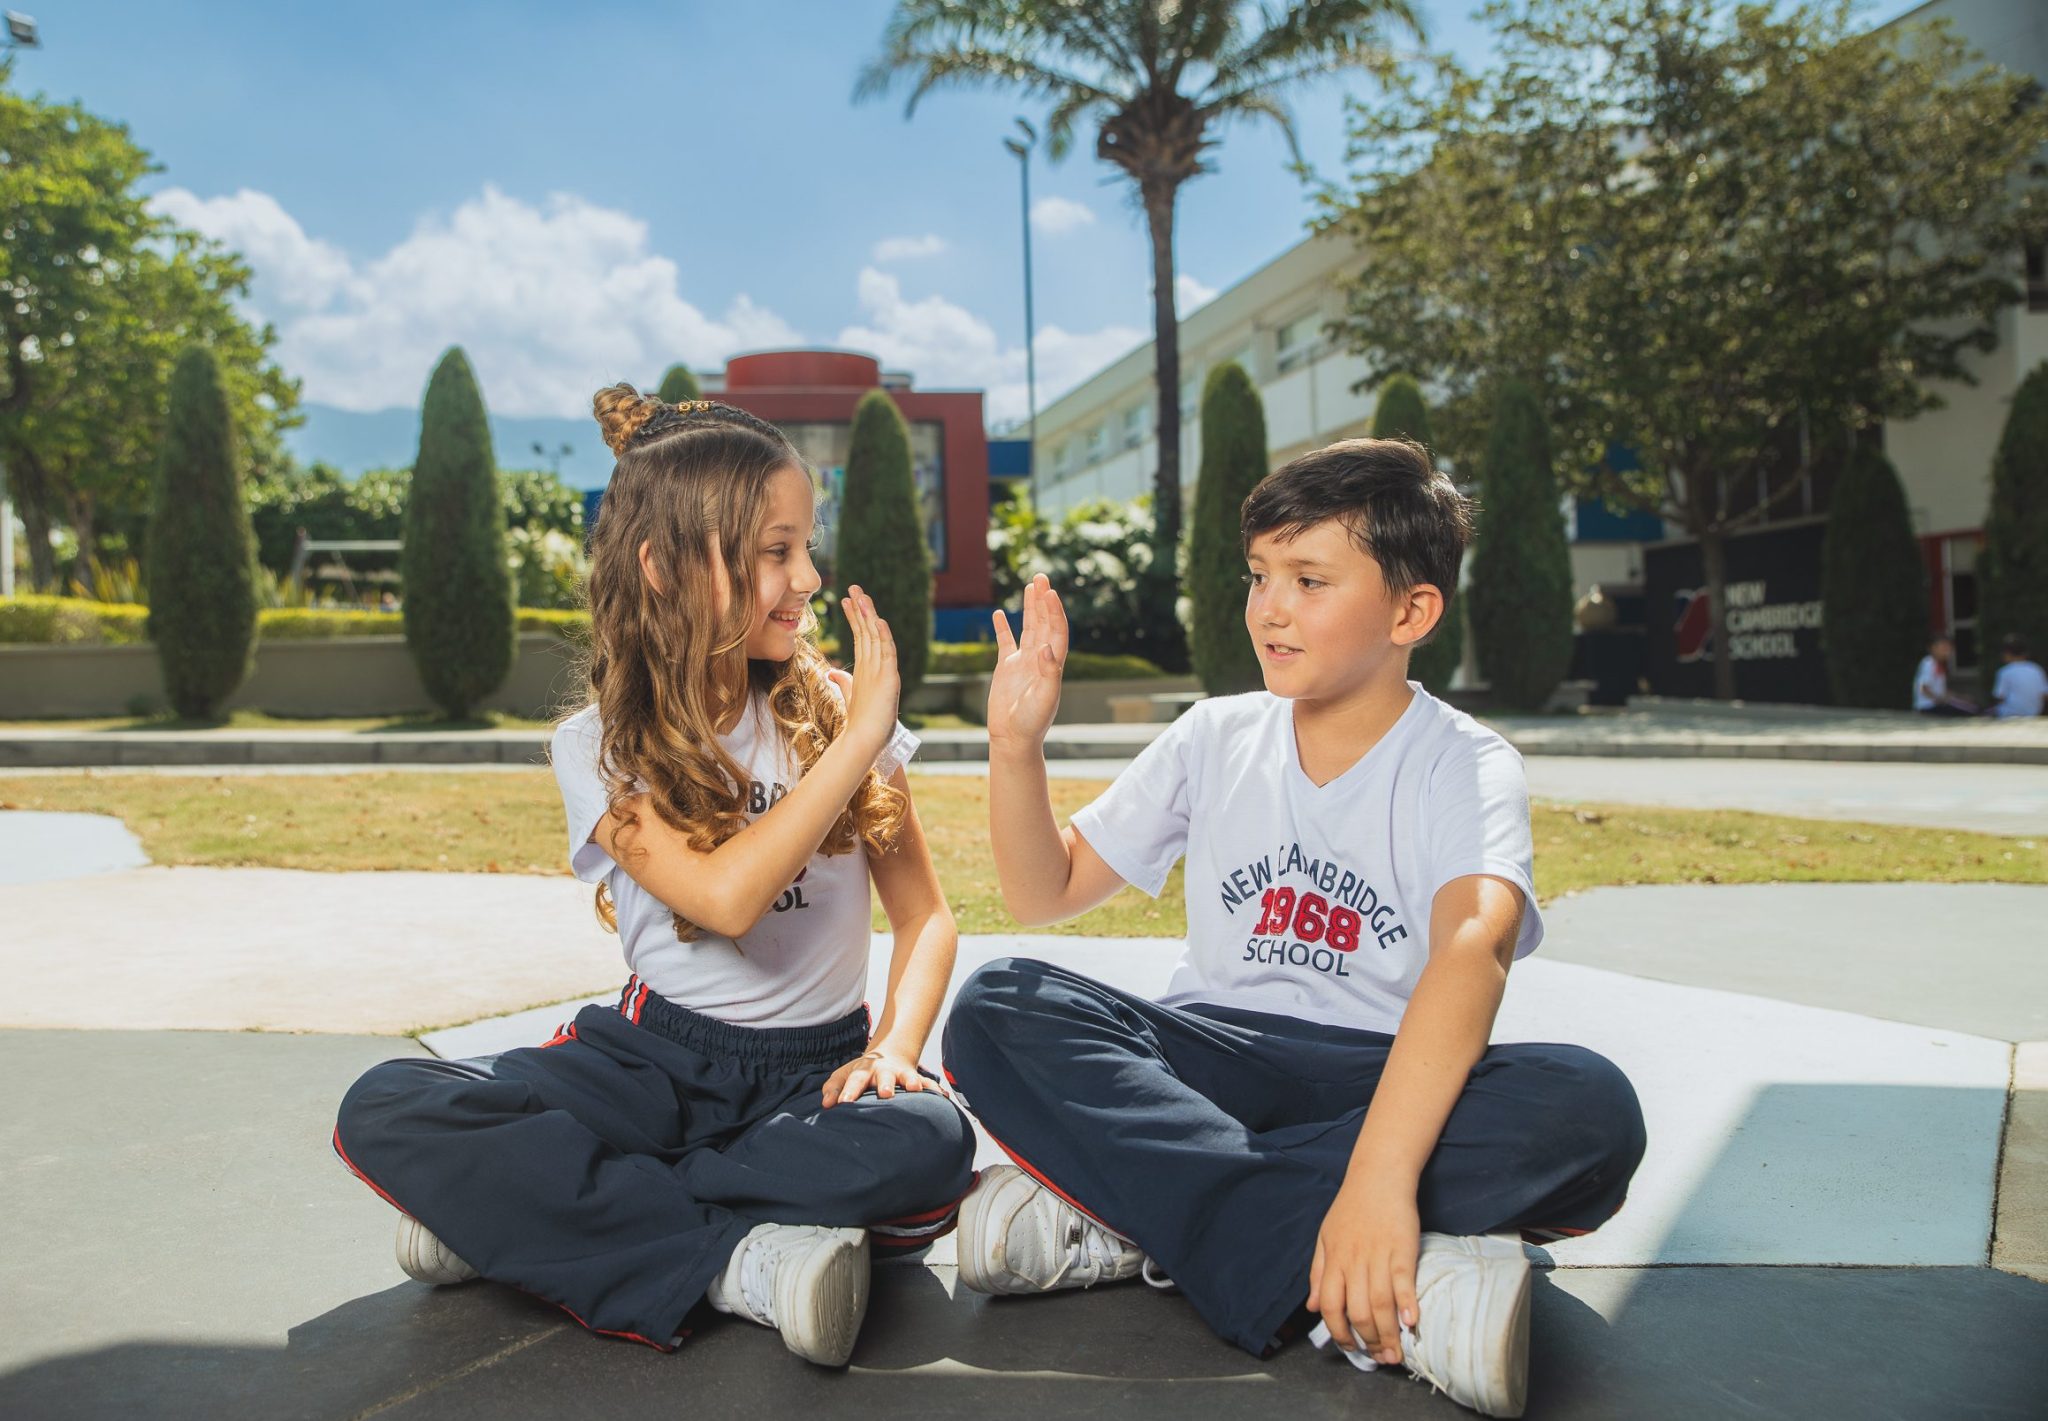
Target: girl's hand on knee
[884, 1070]
[1362, 1279]
[871, 701]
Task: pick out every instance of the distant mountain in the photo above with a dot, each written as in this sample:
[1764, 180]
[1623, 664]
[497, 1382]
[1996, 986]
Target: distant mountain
[389, 439]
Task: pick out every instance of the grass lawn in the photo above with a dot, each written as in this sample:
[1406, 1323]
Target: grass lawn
[512, 823]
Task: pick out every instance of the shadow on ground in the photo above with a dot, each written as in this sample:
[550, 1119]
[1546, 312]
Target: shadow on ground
[1791, 1342]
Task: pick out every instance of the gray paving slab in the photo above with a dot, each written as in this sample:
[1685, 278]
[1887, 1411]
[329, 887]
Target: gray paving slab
[1969, 957]
[41, 847]
[178, 1187]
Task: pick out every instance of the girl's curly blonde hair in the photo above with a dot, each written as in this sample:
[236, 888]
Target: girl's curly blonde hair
[666, 671]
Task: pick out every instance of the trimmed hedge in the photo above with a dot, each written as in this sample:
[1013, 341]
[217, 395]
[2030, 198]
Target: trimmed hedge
[458, 590]
[1519, 606]
[72, 621]
[1873, 588]
[2012, 571]
[1233, 463]
[47, 621]
[201, 555]
[882, 548]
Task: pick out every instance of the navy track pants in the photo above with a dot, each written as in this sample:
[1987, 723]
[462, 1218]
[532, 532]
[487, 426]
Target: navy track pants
[613, 1170]
[1216, 1138]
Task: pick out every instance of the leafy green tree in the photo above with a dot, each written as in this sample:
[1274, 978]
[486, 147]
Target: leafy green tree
[881, 542]
[538, 499]
[1157, 82]
[1521, 592]
[679, 385]
[1754, 229]
[1401, 413]
[2013, 571]
[101, 297]
[202, 557]
[1873, 587]
[459, 620]
[1233, 462]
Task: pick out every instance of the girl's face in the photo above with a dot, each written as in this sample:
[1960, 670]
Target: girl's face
[784, 578]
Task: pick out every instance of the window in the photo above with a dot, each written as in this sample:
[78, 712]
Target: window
[1067, 458]
[1190, 395]
[1297, 341]
[1098, 443]
[1137, 423]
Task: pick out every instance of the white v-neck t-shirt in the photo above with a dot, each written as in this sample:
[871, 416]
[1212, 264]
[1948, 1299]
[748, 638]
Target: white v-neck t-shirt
[1313, 901]
[805, 963]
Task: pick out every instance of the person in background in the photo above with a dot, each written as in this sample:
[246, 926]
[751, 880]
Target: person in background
[2021, 686]
[1930, 682]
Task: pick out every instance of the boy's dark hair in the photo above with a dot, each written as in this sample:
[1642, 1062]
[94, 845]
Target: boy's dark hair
[1400, 509]
[2013, 644]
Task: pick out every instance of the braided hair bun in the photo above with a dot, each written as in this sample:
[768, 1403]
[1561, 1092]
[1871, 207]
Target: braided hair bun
[628, 417]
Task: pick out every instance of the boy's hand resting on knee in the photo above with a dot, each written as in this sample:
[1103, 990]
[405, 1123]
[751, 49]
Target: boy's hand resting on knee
[1363, 1278]
[1025, 690]
[885, 1070]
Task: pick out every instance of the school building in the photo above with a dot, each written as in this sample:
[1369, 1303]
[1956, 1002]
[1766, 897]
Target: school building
[1096, 441]
[811, 395]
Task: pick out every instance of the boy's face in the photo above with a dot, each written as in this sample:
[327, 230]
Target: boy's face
[1321, 616]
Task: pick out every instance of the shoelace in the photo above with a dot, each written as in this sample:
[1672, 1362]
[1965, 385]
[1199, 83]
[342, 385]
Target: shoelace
[1090, 1243]
[757, 1280]
[1358, 1357]
[1155, 1276]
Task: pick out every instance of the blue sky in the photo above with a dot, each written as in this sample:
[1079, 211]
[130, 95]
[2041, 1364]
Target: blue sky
[582, 193]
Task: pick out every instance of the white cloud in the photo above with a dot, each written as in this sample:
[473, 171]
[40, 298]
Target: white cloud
[1189, 293]
[551, 302]
[1056, 216]
[895, 249]
[297, 269]
[947, 346]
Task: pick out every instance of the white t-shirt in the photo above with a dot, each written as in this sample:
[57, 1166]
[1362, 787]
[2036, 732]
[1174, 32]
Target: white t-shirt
[2020, 686]
[1930, 684]
[1307, 901]
[805, 963]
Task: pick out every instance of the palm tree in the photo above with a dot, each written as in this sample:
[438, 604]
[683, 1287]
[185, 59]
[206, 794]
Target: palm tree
[1157, 76]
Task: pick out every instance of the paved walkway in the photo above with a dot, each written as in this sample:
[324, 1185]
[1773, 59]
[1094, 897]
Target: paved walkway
[1681, 729]
[1825, 1070]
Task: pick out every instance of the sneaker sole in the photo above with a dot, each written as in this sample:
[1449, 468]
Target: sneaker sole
[425, 1259]
[973, 1246]
[819, 1308]
[1502, 1326]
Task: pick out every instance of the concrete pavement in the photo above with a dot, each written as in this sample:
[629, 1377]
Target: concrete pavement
[1807, 1237]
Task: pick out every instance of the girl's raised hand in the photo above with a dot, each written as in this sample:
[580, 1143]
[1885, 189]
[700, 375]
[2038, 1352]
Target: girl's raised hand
[1025, 690]
[871, 703]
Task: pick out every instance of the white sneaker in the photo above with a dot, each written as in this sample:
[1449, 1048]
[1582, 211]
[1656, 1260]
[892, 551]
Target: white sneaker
[808, 1282]
[1017, 1236]
[427, 1259]
[1472, 1338]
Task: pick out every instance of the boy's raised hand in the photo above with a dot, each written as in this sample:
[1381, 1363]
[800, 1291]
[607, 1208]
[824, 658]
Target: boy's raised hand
[1025, 690]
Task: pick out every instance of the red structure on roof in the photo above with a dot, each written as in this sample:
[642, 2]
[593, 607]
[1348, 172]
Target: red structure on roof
[811, 395]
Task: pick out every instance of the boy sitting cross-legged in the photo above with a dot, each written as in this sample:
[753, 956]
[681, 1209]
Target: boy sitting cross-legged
[1310, 1120]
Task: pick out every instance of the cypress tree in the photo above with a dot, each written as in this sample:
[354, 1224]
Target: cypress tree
[1401, 414]
[1233, 462]
[201, 550]
[1520, 600]
[459, 621]
[678, 385]
[2013, 569]
[1873, 588]
[881, 546]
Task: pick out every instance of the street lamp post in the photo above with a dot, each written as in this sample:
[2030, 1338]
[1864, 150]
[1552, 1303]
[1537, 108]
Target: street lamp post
[1023, 153]
[21, 34]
